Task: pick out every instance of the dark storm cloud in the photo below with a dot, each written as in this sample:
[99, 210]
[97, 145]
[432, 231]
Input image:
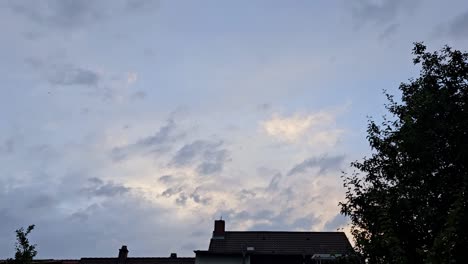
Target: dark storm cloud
[323, 164]
[160, 142]
[209, 156]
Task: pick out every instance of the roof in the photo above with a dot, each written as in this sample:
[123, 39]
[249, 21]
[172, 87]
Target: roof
[280, 243]
[51, 261]
[177, 260]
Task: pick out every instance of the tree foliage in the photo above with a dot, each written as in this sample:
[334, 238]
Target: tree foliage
[25, 252]
[408, 201]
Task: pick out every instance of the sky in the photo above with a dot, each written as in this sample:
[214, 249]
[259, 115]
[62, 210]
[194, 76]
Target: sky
[140, 122]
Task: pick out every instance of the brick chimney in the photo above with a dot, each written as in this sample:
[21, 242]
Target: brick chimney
[219, 231]
[123, 253]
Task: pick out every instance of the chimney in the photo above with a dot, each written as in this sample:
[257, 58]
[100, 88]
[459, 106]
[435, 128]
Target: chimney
[123, 253]
[173, 255]
[219, 231]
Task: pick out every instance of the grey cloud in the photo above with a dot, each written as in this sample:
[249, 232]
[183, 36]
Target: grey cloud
[8, 146]
[41, 201]
[206, 168]
[182, 199]
[71, 75]
[389, 31]
[338, 221]
[160, 142]
[189, 246]
[198, 233]
[71, 14]
[142, 5]
[71, 214]
[96, 180]
[324, 164]
[197, 197]
[166, 178]
[246, 194]
[273, 186]
[208, 154]
[378, 12]
[64, 73]
[109, 189]
[305, 222]
[189, 152]
[276, 221]
[171, 191]
[264, 107]
[59, 13]
[139, 95]
[458, 28]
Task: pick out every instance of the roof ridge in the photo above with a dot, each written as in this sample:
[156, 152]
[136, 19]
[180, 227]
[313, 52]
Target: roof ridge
[134, 257]
[298, 232]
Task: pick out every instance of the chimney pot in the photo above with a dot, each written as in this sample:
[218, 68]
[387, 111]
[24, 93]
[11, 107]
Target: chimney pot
[123, 253]
[219, 229]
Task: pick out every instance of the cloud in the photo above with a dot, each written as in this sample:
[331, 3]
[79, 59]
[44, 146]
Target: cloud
[323, 164]
[171, 191]
[389, 31]
[166, 179]
[458, 27]
[161, 142]
[269, 220]
[274, 183]
[59, 13]
[378, 11]
[72, 75]
[65, 74]
[197, 197]
[71, 14]
[8, 146]
[108, 189]
[209, 156]
[339, 221]
[316, 129]
[294, 127]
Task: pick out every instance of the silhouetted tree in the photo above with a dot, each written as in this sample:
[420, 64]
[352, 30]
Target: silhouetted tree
[25, 252]
[408, 200]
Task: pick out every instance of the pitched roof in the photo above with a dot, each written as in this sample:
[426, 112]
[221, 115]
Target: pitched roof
[280, 243]
[177, 260]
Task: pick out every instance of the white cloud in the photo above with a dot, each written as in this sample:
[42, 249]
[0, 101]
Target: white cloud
[318, 129]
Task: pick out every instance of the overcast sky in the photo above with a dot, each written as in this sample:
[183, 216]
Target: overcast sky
[139, 122]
